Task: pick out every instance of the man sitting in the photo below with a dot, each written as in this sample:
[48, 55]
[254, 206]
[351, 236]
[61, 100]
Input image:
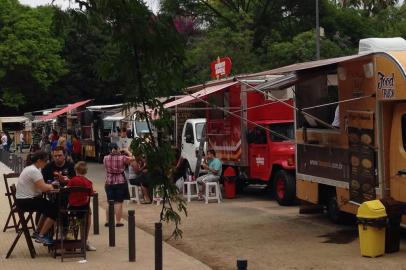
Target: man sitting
[213, 167]
[59, 169]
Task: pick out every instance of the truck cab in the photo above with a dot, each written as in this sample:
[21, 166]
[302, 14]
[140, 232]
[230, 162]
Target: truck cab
[272, 156]
[191, 136]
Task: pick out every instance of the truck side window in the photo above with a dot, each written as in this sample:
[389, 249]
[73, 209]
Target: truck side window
[260, 136]
[189, 133]
[404, 131]
[284, 129]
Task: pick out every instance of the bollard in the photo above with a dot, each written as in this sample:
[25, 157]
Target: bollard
[112, 232]
[96, 213]
[131, 235]
[242, 264]
[158, 246]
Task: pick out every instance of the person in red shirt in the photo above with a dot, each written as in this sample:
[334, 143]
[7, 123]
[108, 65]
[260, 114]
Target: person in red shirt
[76, 148]
[80, 200]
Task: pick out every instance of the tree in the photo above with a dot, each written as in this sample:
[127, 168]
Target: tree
[147, 60]
[29, 53]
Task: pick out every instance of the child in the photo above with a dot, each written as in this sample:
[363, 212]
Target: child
[80, 200]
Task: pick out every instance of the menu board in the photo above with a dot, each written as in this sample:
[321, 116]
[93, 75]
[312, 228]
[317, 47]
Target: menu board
[362, 156]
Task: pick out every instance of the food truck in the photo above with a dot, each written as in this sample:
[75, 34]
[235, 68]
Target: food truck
[250, 132]
[363, 156]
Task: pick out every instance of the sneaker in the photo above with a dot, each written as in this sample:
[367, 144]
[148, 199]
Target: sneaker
[89, 247]
[35, 235]
[46, 240]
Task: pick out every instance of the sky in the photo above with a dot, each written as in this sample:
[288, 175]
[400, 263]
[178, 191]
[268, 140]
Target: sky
[153, 4]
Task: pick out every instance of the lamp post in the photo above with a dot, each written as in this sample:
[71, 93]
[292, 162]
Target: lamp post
[317, 31]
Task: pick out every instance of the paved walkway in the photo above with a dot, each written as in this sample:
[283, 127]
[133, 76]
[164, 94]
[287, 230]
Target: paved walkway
[104, 258]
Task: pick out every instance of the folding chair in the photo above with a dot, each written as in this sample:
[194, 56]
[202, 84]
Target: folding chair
[23, 230]
[12, 215]
[72, 221]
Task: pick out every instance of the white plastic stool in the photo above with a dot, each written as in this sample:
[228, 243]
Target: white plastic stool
[156, 195]
[136, 191]
[212, 187]
[187, 190]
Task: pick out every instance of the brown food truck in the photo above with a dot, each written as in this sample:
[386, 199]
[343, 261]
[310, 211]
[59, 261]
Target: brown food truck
[350, 127]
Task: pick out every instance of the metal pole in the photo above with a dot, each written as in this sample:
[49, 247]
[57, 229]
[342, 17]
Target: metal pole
[96, 213]
[317, 31]
[131, 235]
[112, 232]
[158, 246]
[242, 264]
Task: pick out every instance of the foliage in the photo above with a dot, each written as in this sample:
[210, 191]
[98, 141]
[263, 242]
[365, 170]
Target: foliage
[29, 53]
[146, 58]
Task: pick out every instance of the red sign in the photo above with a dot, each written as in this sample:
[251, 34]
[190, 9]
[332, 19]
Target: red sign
[220, 67]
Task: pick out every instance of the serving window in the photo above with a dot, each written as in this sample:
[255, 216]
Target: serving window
[315, 92]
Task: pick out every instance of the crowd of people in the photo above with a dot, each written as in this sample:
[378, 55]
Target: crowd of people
[65, 169]
[41, 176]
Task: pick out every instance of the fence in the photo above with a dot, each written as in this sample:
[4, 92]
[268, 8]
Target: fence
[12, 161]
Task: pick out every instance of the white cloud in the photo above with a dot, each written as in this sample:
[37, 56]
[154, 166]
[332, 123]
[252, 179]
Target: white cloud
[153, 4]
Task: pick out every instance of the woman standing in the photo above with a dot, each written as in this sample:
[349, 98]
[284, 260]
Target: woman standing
[116, 185]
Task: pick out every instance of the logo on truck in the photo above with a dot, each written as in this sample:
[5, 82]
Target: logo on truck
[260, 161]
[386, 84]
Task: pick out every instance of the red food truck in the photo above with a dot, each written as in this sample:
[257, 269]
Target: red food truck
[250, 131]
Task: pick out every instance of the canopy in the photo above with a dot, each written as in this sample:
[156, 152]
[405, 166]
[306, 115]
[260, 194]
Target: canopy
[122, 115]
[13, 119]
[200, 94]
[64, 110]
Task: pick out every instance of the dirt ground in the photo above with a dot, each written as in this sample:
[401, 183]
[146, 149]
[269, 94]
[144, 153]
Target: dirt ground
[256, 228]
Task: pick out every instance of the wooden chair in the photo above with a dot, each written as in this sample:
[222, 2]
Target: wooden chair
[71, 221]
[23, 229]
[12, 215]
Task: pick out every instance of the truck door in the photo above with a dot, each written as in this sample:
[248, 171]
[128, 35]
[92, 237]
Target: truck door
[258, 154]
[188, 145]
[398, 154]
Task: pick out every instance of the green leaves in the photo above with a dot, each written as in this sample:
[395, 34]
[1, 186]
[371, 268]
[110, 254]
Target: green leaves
[29, 53]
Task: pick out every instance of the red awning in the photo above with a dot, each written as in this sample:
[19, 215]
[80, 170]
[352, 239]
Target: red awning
[200, 94]
[64, 110]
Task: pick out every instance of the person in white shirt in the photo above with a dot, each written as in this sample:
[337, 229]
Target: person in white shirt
[336, 121]
[4, 141]
[21, 141]
[30, 186]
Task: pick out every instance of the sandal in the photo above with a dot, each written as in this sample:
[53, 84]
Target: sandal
[119, 224]
[146, 202]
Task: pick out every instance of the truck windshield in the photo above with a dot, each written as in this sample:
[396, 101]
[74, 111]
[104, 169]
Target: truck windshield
[141, 127]
[284, 129]
[199, 129]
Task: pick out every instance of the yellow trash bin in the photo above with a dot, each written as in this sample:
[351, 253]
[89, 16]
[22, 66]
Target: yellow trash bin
[371, 218]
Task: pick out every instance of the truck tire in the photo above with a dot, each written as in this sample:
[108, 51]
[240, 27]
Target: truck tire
[334, 213]
[284, 187]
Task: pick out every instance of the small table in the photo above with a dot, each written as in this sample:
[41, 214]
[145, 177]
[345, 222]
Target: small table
[187, 190]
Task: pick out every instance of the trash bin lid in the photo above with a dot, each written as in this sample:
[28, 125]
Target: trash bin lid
[371, 209]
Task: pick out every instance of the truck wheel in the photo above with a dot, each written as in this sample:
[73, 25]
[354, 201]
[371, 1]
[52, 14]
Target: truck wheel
[334, 213]
[284, 187]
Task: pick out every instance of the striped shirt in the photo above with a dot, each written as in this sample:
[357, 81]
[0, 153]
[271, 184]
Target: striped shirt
[115, 165]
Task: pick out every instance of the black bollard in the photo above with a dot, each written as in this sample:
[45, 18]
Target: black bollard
[242, 264]
[96, 213]
[112, 232]
[131, 235]
[158, 246]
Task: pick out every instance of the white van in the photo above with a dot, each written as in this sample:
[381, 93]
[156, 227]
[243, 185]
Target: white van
[191, 136]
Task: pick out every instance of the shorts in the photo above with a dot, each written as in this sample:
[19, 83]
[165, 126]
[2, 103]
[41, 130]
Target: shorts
[81, 208]
[40, 205]
[139, 181]
[117, 193]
